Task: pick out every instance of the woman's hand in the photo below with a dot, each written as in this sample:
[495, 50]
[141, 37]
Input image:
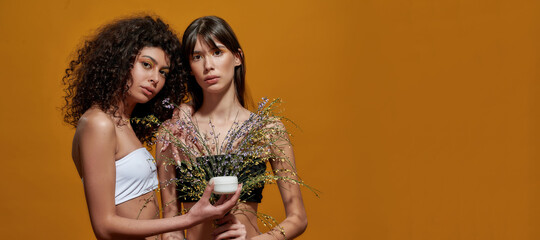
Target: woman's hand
[230, 228]
[203, 210]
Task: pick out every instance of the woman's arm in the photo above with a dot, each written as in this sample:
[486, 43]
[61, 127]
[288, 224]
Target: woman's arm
[96, 145]
[295, 222]
[166, 174]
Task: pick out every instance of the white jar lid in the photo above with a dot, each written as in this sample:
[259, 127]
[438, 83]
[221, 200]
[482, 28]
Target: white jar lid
[224, 180]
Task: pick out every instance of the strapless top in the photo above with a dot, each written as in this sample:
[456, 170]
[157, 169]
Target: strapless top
[135, 175]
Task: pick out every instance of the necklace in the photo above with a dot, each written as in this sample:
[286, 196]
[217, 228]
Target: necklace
[123, 121]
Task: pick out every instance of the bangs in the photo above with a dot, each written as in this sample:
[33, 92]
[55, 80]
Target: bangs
[206, 38]
[209, 40]
[209, 34]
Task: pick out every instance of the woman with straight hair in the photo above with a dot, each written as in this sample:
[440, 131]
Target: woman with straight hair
[216, 69]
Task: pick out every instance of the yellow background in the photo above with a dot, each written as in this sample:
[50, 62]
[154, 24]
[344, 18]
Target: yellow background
[419, 118]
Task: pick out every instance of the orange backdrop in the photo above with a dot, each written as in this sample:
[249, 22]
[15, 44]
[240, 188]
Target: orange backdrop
[419, 118]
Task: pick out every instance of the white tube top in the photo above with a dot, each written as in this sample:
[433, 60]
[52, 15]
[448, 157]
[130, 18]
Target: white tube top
[136, 175]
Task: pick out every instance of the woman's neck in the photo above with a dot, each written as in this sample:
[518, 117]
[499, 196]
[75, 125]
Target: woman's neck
[223, 105]
[125, 109]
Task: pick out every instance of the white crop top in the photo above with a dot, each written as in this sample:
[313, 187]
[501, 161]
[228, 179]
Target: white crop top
[135, 175]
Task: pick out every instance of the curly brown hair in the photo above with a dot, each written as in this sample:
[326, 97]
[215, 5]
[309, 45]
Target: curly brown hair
[100, 73]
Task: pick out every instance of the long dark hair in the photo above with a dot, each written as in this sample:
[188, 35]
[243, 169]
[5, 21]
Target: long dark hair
[100, 73]
[210, 28]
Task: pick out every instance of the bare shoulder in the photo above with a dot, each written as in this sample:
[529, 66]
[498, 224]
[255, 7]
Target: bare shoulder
[274, 122]
[185, 109]
[181, 115]
[95, 121]
[95, 130]
[245, 114]
[173, 124]
[168, 126]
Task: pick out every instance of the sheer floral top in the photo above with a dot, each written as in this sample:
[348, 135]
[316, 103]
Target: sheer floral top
[198, 156]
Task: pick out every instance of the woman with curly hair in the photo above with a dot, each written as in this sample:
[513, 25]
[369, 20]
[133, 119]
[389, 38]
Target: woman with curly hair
[126, 70]
[216, 85]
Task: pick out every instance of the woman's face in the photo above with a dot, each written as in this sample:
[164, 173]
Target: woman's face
[213, 68]
[148, 74]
